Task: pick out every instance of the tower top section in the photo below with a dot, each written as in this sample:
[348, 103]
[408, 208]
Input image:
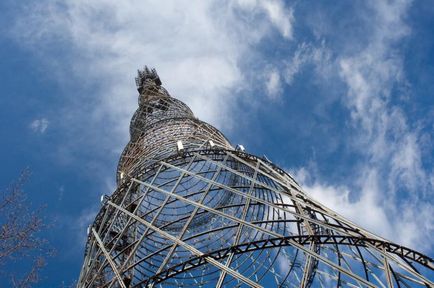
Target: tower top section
[147, 77]
[163, 126]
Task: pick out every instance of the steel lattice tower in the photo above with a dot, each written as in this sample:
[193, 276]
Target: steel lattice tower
[191, 210]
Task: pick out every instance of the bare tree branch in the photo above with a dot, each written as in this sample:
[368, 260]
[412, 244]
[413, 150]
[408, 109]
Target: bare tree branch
[19, 234]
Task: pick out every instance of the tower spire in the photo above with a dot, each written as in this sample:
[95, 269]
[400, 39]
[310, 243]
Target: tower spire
[146, 77]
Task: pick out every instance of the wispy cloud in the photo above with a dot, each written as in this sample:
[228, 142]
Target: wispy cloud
[39, 125]
[406, 223]
[307, 54]
[198, 51]
[279, 15]
[390, 189]
[386, 138]
[273, 84]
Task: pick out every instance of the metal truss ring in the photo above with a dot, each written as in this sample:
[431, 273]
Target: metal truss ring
[401, 251]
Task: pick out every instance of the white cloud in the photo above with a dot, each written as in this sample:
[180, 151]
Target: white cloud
[389, 192]
[82, 223]
[280, 16]
[273, 84]
[385, 136]
[39, 125]
[410, 226]
[307, 54]
[197, 51]
[61, 192]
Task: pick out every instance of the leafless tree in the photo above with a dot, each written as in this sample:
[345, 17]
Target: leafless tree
[20, 242]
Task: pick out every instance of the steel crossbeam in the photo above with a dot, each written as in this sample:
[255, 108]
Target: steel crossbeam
[107, 256]
[190, 248]
[272, 233]
[425, 260]
[240, 228]
[123, 230]
[184, 229]
[272, 243]
[101, 225]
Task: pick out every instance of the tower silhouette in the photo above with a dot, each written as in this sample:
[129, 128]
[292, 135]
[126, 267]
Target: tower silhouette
[191, 210]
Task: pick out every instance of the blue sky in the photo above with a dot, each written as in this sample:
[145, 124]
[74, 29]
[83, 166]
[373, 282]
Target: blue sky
[339, 94]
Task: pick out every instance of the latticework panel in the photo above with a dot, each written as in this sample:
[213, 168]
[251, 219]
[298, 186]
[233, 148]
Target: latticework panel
[218, 218]
[192, 211]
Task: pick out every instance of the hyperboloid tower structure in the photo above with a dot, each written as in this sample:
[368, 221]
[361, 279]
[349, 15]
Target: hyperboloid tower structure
[191, 210]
